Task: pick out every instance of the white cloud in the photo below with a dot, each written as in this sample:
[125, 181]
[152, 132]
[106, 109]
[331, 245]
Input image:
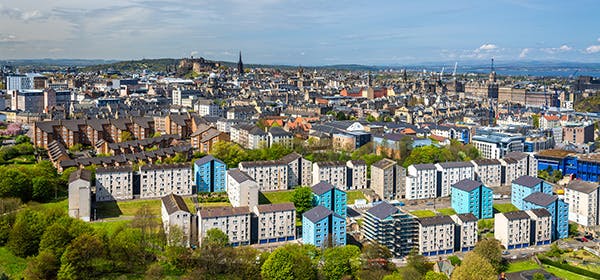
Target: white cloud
[487, 47]
[524, 52]
[565, 48]
[15, 13]
[8, 37]
[593, 49]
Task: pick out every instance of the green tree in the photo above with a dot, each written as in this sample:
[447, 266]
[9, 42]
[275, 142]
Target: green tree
[418, 262]
[43, 266]
[215, 237]
[491, 250]
[20, 139]
[535, 121]
[43, 189]
[538, 276]
[84, 258]
[127, 251]
[14, 183]
[291, 262]
[302, 199]
[474, 267]
[370, 118]
[24, 238]
[230, 153]
[125, 136]
[341, 261]
[432, 275]
[55, 239]
[573, 229]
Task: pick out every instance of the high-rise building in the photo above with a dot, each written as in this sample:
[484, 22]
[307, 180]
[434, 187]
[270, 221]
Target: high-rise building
[469, 196]
[210, 174]
[391, 227]
[388, 179]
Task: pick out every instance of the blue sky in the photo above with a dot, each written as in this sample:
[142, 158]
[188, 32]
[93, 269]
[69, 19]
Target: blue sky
[303, 32]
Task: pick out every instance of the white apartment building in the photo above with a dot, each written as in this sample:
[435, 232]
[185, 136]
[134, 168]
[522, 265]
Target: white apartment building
[114, 183]
[299, 170]
[205, 107]
[233, 221]
[488, 171]
[242, 190]
[80, 195]
[160, 180]
[436, 235]
[357, 175]
[175, 213]
[388, 179]
[333, 172]
[510, 170]
[584, 202]
[421, 181]
[450, 173]
[276, 222]
[541, 226]
[466, 232]
[527, 164]
[270, 175]
[513, 229]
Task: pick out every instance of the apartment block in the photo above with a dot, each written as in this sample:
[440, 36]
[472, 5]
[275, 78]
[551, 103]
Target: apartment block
[526, 163]
[465, 232]
[270, 175]
[488, 171]
[557, 208]
[389, 226]
[388, 179]
[233, 221]
[330, 197]
[513, 229]
[436, 236]
[333, 172]
[210, 175]
[299, 170]
[275, 223]
[526, 185]
[421, 181]
[584, 202]
[80, 195]
[323, 228]
[160, 180]
[114, 183]
[469, 196]
[242, 190]
[356, 175]
[541, 226]
[175, 213]
[450, 173]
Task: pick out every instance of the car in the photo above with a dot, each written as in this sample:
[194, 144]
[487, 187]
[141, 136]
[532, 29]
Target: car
[583, 239]
[505, 253]
[514, 257]
[429, 203]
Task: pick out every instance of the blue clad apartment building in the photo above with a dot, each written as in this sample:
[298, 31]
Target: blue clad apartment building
[325, 224]
[210, 174]
[526, 185]
[391, 227]
[558, 208]
[469, 196]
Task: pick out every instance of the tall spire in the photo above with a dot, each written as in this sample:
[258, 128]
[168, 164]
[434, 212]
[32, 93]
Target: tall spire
[240, 65]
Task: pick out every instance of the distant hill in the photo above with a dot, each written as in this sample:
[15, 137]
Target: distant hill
[155, 65]
[589, 104]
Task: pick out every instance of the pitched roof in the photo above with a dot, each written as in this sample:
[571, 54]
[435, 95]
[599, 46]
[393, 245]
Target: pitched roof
[317, 213]
[174, 203]
[437, 220]
[384, 163]
[486, 161]
[383, 210]
[582, 186]
[467, 185]
[516, 215]
[527, 181]
[279, 207]
[213, 212]
[540, 198]
[424, 166]
[455, 164]
[238, 175]
[207, 159]
[541, 212]
[468, 217]
[322, 187]
[82, 174]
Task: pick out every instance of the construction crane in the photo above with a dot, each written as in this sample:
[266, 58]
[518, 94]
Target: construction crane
[454, 71]
[573, 75]
[442, 73]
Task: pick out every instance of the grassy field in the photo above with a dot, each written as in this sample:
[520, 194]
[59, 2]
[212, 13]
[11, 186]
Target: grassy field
[130, 207]
[564, 274]
[354, 195]
[110, 225]
[522, 266]
[503, 208]
[286, 196]
[423, 213]
[447, 211]
[10, 264]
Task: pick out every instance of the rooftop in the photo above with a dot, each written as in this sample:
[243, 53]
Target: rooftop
[527, 181]
[467, 185]
[279, 207]
[322, 187]
[540, 198]
[437, 220]
[214, 212]
[383, 210]
[582, 186]
[317, 213]
[174, 203]
[516, 215]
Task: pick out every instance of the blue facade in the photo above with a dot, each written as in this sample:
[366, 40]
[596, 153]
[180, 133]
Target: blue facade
[210, 175]
[519, 192]
[334, 200]
[478, 201]
[329, 228]
[559, 210]
[465, 135]
[581, 168]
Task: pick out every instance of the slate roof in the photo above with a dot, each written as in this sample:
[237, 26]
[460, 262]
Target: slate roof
[541, 212]
[214, 212]
[516, 215]
[467, 185]
[437, 220]
[582, 186]
[174, 203]
[238, 175]
[468, 217]
[384, 163]
[207, 159]
[455, 164]
[279, 207]
[82, 174]
[383, 210]
[290, 157]
[527, 181]
[317, 213]
[322, 187]
[540, 198]
[425, 166]
[486, 161]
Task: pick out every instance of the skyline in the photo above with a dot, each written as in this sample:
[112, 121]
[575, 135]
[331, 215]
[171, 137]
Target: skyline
[302, 32]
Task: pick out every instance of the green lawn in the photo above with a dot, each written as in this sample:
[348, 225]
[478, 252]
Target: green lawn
[564, 274]
[423, 213]
[110, 225]
[447, 211]
[354, 195]
[505, 207]
[522, 266]
[130, 207]
[10, 264]
[275, 197]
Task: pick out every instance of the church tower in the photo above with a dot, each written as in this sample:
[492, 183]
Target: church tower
[492, 78]
[240, 65]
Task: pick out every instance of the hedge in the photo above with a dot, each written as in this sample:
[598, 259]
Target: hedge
[569, 267]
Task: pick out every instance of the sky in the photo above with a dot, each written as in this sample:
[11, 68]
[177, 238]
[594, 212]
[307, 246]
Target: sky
[303, 32]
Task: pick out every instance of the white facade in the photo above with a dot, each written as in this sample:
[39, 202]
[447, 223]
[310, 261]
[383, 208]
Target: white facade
[421, 181]
[512, 228]
[208, 108]
[257, 140]
[451, 173]
[275, 221]
[160, 180]
[358, 174]
[80, 195]
[114, 183]
[269, 175]
[19, 82]
[242, 190]
[333, 172]
[488, 171]
[584, 204]
[436, 234]
[467, 231]
[388, 179]
[175, 213]
[541, 226]
[233, 221]
[487, 150]
[299, 170]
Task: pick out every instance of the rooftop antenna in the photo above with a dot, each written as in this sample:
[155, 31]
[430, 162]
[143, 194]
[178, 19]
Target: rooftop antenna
[492, 64]
[454, 71]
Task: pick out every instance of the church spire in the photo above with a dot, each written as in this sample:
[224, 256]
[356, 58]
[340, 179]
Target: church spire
[240, 65]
